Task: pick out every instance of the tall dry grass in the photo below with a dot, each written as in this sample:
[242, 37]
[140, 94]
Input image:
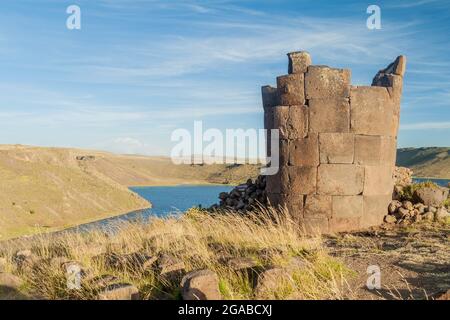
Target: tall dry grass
[198, 239]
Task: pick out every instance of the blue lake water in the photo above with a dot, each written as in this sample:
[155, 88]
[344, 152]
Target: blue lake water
[166, 201]
[441, 182]
[177, 199]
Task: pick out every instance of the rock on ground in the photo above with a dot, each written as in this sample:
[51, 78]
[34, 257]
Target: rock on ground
[431, 196]
[200, 285]
[270, 281]
[10, 287]
[120, 291]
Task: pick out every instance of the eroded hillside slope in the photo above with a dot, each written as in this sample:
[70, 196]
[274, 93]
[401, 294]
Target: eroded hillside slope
[46, 189]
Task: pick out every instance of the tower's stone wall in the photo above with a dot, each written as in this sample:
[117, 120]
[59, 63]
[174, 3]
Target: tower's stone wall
[337, 144]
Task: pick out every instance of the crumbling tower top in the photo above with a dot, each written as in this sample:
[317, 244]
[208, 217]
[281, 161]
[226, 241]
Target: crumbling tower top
[337, 143]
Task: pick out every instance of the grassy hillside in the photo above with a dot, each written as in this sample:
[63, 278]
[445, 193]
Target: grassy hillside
[46, 189]
[426, 162]
[149, 171]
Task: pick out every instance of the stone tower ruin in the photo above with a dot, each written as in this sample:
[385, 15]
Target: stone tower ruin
[337, 146]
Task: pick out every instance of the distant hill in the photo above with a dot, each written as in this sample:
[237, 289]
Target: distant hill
[430, 162]
[47, 189]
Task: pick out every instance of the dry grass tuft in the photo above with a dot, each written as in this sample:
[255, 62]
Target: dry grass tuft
[199, 240]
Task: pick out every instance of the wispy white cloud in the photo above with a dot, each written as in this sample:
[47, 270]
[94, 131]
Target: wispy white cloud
[426, 126]
[411, 4]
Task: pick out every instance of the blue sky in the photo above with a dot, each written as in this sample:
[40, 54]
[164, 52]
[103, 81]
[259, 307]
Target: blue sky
[139, 69]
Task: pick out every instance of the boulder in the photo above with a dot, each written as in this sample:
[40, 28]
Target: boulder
[393, 206]
[428, 216]
[9, 280]
[390, 219]
[200, 285]
[444, 296]
[402, 212]
[169, 265]
[431, 196]
[101, 282]
[241, 263]
[441, 214]
[119, 291]
[397, 193]
[10, 286]
[431, 209]
[407, 205]
[270, 281]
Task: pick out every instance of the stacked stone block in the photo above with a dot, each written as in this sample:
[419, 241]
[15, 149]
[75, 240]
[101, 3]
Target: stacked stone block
[337, 144]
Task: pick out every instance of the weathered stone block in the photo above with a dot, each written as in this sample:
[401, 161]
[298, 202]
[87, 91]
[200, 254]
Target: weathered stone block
[292, 121]
[372, 111]
[304, 152]
[273, 199]
[299, 62]
[375, 150]
[326, 82]
[268, 119]
[344, 224]
[291, 90]
[121, 291]
[293, 203]
[269, 97]
[336, 147]
[318, 205]
[299, 152]
[298, 180]
[200, 285]
[347, 206]
[431, 196]
[315, 225]
[268, 125]
[284, 152]
[329, 115]
[340, 179]
[277, 199]
[375, 208]
[378, 180]
[273, 183]
[398, 67]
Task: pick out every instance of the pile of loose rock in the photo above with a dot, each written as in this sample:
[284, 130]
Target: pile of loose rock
[403, 176]
[406, 212]
[427, 204]
[244, 197]
[200, 284]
